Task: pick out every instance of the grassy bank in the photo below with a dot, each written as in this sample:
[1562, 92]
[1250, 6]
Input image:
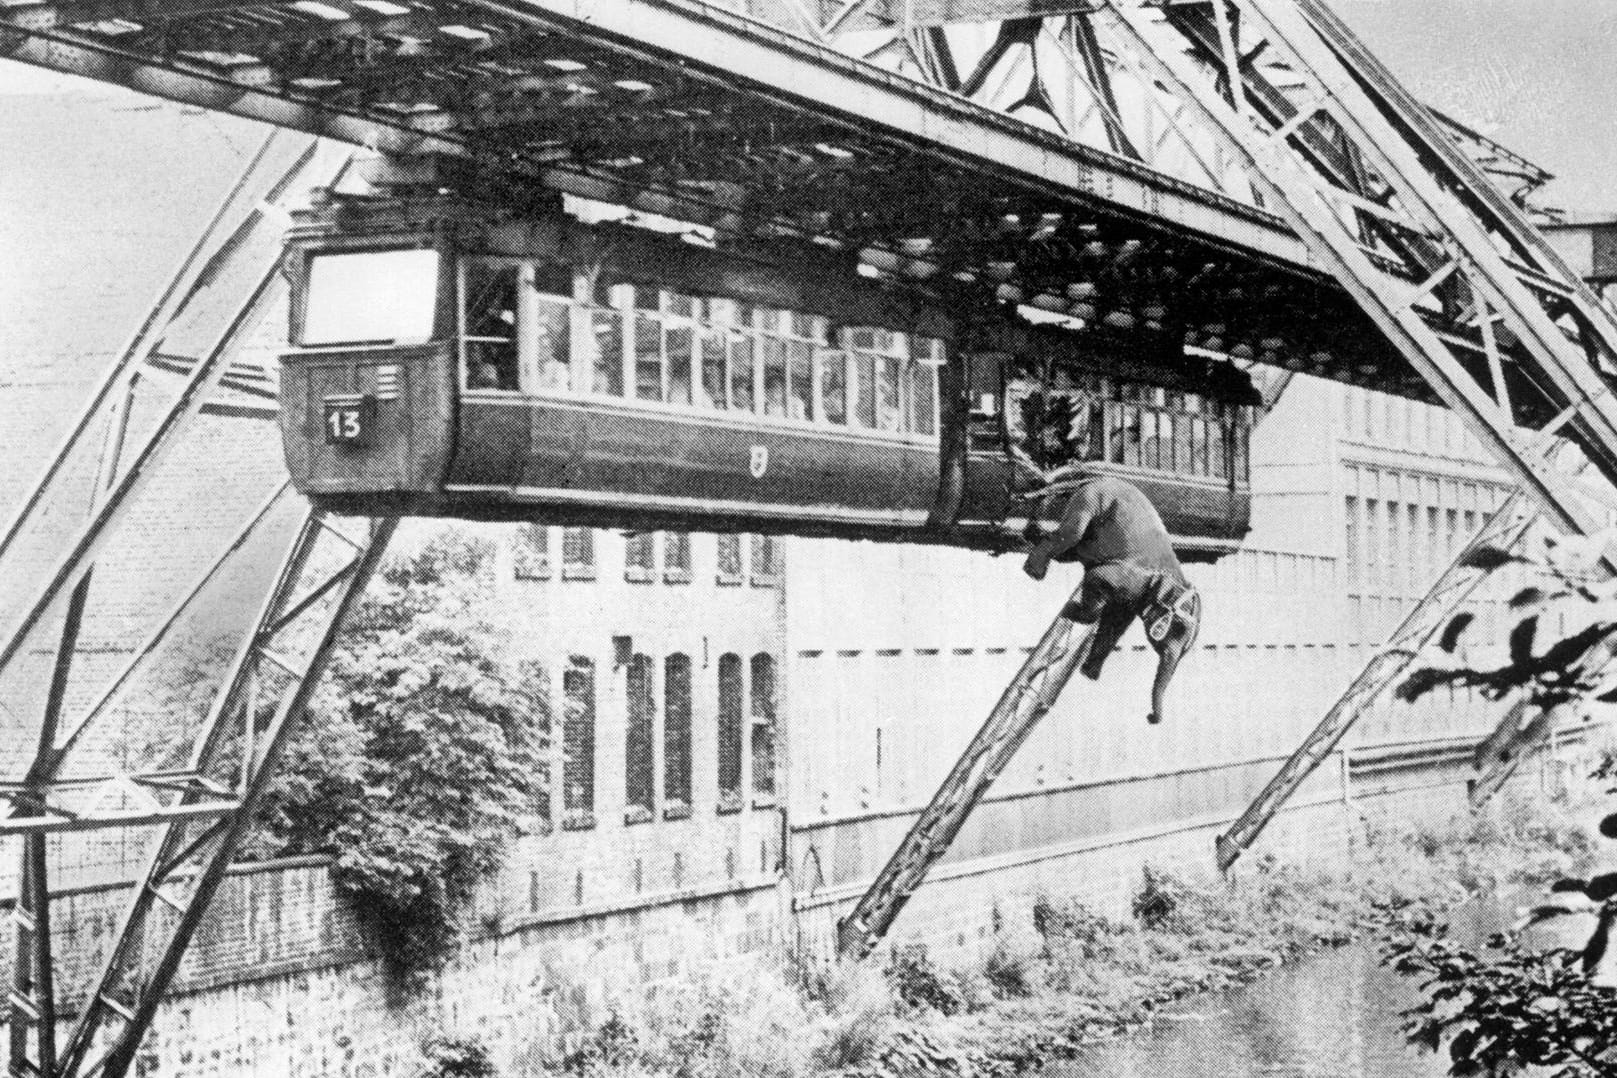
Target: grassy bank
[1058, 976]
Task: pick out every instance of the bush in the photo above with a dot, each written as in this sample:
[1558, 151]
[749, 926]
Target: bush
[918, 984]
[1009, 973]
[419, 760]
[1504, 1008]
[1158, 899]
[456, 1057]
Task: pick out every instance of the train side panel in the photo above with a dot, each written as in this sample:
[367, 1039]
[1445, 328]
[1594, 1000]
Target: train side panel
[715, 468]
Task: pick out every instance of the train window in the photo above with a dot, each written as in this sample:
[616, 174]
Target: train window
[800, 379]
[864, 390]
[711, 342]
[553, 351]
[833, 397]
[648, 353]
[537, 326]
[606, 342]
[889, 410]
[678, 343]
[370, 296]
[1241, 435]
[774, 362]
[743, 355]
[923, 389]
[489, 324]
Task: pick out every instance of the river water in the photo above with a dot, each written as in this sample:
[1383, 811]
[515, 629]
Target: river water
[1334, 1015]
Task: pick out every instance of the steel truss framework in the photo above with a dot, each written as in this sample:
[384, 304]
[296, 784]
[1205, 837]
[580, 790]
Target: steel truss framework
[219, 291]
[1377, 187]
[1239, 173]
[1034, 162]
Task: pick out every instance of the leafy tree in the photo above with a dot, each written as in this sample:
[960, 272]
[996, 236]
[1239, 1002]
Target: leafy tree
[419, 759]
[1509, 1006]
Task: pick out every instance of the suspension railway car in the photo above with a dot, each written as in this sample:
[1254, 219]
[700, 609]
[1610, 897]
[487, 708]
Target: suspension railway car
[447, 363]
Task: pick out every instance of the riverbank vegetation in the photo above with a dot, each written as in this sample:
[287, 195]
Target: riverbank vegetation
[1523, 1000]
[1059, 977]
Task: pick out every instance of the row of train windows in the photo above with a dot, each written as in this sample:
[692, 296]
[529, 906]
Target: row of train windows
[531, 556]
[743, 711]
[1127, 423]
[529, 325]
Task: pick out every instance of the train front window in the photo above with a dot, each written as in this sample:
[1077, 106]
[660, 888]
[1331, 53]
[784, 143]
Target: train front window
[833, 368]
[370, 297]
[713, 343]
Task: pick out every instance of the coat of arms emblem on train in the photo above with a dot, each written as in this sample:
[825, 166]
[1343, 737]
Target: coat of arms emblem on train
[760, 461]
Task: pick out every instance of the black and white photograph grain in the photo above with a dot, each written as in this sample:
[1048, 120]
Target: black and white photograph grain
[808, 538]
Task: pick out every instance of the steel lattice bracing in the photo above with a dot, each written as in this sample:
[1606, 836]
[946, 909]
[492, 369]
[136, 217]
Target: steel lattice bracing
[195, 328]
[247, 727]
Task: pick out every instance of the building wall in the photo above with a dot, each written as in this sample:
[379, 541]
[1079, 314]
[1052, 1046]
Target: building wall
[614, 612]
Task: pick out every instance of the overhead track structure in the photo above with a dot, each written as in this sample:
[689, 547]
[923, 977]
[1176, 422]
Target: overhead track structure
[1025, 163]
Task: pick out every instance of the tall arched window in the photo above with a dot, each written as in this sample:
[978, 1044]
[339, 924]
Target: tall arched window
[677, 736]
[763, 724]
[640, 747]
[578, 743]
[536, 682]
[730, 716]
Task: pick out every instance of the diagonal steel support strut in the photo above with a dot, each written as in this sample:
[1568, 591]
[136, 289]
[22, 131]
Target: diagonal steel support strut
[191, 857]
[1025, 701]
[1502, 530]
